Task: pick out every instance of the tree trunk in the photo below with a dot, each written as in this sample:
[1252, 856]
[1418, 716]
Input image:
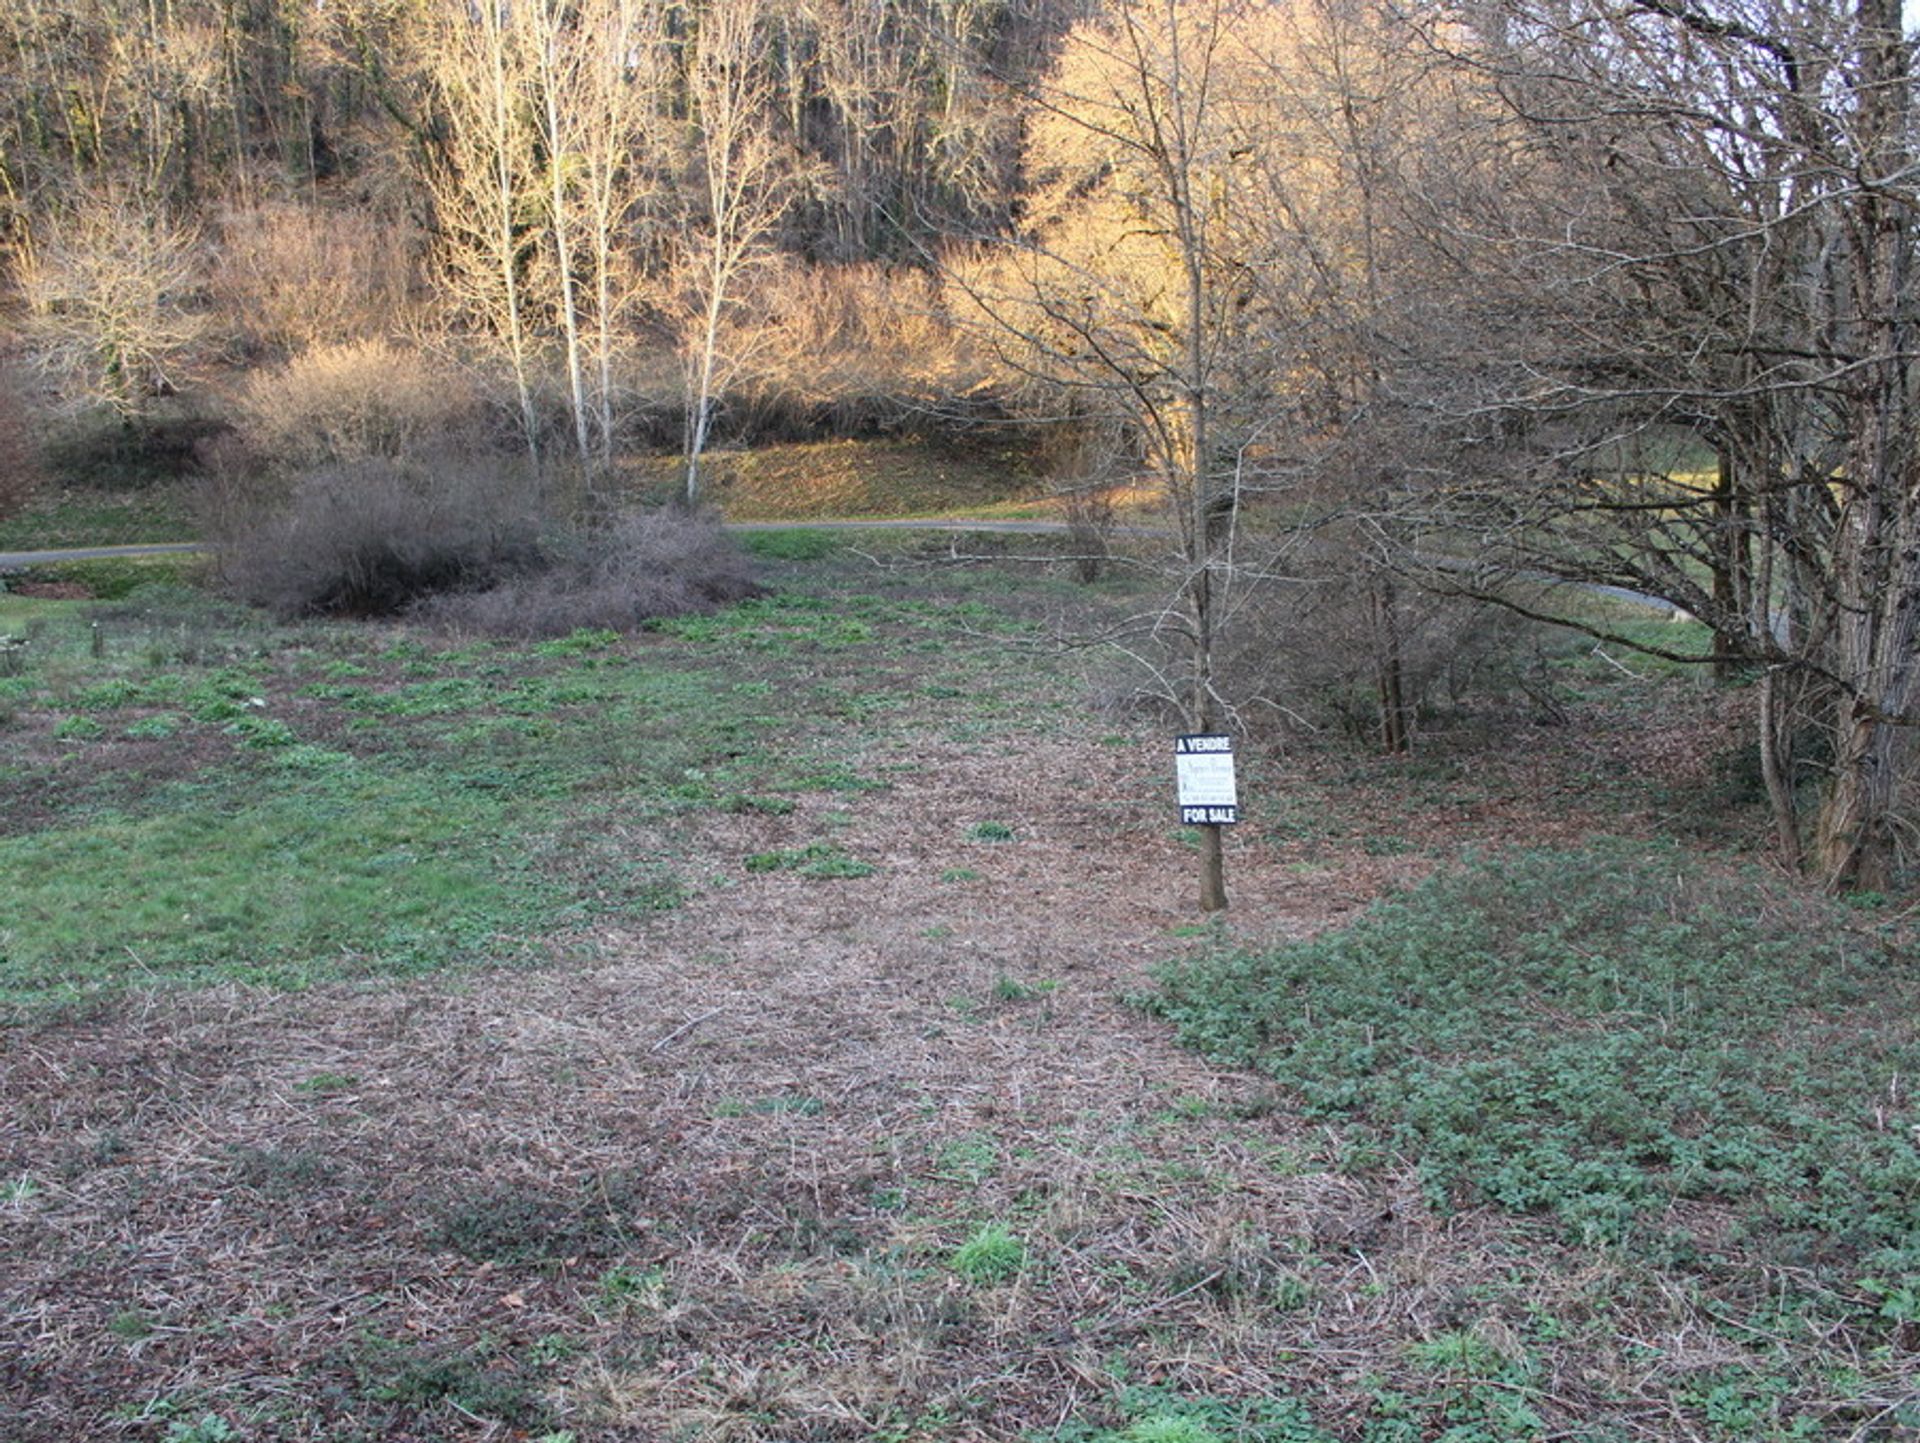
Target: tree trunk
[700, 408]
[1856, 846]
[1877, 553]
[1732, 570]
[1777, 763]
[1389, 672]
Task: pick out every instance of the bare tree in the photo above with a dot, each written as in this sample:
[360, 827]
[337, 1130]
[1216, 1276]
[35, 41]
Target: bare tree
[1129, 291]
[112, 289]
[483, 182]
[1719, 248]
[619, 120]
[557, 65]
[743, 179]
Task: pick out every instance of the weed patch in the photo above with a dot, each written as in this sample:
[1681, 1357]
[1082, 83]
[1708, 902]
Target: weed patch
[818, 860]
[519, 1225]
[1599, 1035]
[408, 1383]
[990, 1255]
[1164, 1415]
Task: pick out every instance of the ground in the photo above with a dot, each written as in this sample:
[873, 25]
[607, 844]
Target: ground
[863, 1140]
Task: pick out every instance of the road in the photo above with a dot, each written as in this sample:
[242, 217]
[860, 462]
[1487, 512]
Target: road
[20, 560]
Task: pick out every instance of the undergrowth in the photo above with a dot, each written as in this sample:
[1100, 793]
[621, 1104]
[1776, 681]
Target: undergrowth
[1603, 1035]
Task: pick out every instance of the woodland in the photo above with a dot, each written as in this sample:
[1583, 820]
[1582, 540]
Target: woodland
[1432, 298]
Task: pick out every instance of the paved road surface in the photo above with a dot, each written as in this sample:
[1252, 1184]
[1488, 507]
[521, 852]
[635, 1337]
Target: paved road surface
[19, 560]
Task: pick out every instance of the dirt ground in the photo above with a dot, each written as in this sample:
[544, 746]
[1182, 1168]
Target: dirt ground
[710, 1173]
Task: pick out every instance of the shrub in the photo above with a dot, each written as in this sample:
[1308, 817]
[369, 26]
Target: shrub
[1311, 646]
[19, 458]
[293, 277]
[99, 450]
[843, 350]
[357, 401]
[373, 537]
[658, 564]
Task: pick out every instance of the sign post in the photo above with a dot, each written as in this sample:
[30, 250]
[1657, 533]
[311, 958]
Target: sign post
[1209, 798]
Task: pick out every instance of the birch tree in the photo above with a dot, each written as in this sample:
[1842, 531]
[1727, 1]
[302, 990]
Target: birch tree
[743, 179]
[483, 184]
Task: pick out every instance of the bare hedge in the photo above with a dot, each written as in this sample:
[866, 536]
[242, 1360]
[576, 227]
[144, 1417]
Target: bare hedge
[459, 542]
[360, 400]
[662, 563]
[373, 537]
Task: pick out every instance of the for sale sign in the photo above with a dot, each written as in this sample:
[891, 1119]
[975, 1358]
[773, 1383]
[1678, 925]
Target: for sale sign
[1203, 767]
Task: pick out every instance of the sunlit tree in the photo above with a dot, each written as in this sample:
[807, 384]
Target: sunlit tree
[113, 292]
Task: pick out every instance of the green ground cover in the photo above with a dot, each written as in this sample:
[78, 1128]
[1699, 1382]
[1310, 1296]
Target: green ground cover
[58, 518]
[208, 797]
[1561, 1138]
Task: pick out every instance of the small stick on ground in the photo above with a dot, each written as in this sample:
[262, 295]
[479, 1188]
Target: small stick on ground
[685, 1027]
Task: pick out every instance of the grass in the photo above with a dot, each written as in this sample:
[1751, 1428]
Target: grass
[96, 502]
[1607, 1036]
[850, 479]
[991, 1254]
[573, 1094]
[286, 806]
[80, 516]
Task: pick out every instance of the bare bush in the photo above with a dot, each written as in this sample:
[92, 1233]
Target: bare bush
[293, 277]
[356, 401]
[1086, 466]
[1317, 652]
[662, 563]
[372, 537]
[844, 349]
[113, 292]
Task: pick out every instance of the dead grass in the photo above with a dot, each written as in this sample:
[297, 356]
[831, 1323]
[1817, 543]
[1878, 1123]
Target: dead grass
[799, 481]
[705, 1178]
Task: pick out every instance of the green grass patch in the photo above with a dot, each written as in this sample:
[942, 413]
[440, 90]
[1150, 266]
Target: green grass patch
[1597, 1035]
[207, 796]
[817, 859]
[991, 1254]
[324, 872]
[79, 516]
[792, 543]
[113, 578]
[815, 480]
[780, 623]
[1166, 1415]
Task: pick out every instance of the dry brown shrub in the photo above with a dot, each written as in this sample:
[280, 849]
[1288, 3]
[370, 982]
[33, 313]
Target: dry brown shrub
[19, 455]
[292, 277]
[847, 347]
[1308, 650]
[356, 401]
[661, 563]
[372, 537]
[112, 289]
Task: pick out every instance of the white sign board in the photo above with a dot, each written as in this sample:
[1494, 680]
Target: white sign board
[1203, 767]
